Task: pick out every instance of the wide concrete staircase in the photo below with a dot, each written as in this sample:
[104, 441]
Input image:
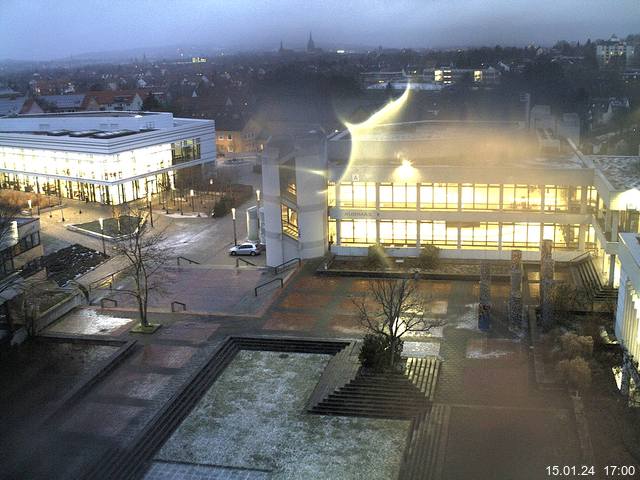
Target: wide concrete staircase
[401, 395]
[586, 274]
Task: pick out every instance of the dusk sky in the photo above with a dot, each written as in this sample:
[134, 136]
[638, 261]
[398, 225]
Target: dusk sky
[45, 29]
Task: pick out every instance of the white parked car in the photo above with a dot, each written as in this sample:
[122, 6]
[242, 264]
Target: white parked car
[246, 248]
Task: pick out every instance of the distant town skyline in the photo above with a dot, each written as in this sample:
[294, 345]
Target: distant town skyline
[33, 30]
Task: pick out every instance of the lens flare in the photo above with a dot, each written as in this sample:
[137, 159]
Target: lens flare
[362, 132]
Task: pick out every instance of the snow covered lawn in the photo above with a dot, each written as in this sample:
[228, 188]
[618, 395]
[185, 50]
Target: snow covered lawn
[253, 417]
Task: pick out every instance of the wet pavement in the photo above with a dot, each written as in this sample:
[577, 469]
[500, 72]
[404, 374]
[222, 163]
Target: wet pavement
[500, 425]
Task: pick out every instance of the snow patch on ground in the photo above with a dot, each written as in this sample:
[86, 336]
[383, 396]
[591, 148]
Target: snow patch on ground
[253, 417]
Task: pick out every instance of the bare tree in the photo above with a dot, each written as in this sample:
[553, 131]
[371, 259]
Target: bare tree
[145, 251]
[392, 308]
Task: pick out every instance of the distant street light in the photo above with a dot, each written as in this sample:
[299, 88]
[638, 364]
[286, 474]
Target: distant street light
[30, 208]
[61, 206]
[193, 200]
[104, 248]
[235, 236]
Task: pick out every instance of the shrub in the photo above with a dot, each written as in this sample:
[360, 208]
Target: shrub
[573, 345]
[372, 354]
[223, 206]
[429, 257]
[375, 352]
[576, 372]
[376, 257]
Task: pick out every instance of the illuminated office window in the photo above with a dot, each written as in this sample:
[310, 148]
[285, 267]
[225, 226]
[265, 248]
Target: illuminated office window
[289, 221]
[592, 199]
[439, 196]
[399, 233]
[480, 196]
[524, 236]
[564, 236]
[331, 194]
[333, 233]
[481, 234]
[358, 195]
[386, 195]
[521, 197]
[438, 233]
[358, 232]
[556, 198]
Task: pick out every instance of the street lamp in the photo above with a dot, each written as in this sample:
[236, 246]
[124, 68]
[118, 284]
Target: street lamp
[61, 206]
[150, 209]
[104, 248]
[193, 204]
[258, 196]
[235, 236]
[30, 209]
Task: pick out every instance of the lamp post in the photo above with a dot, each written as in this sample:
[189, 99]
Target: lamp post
[235, 236]
[150, 209]
[104, 248]
[193, 198]
[30, 208]
[180, 202]
[61, 206]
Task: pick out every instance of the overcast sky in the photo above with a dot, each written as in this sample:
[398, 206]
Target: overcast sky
[47, 29]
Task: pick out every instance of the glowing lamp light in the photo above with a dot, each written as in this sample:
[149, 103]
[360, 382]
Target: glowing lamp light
[258, 195]
[29, 203]
[405, 172]
[233, 213]
[101, 222]
[191, 193]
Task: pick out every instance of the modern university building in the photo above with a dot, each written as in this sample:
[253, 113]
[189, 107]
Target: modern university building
[477, 190]
[106, 157]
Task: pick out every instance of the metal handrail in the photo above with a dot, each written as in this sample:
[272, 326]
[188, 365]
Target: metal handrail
[255, 290]
[111, 277]
[286, 264]
[245, 261]
[102, 300]
[580, 257]
[188, 260]
[174, 303]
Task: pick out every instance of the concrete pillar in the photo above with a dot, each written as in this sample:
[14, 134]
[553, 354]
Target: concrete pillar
[515, 294]
[484, 306]
[612, 270]
[547, 268]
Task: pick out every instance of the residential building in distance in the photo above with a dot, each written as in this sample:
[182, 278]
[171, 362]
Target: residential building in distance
[614, 50]
[106, 157]
[235, 133]
[120, 100]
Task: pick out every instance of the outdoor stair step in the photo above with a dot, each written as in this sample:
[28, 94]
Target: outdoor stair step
[373, 400]
[360, 411]
[424, 454]
[380, 396]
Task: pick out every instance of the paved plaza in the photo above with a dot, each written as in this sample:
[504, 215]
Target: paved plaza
[498, 424]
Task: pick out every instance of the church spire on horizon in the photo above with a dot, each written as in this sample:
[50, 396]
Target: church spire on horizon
[311, 46]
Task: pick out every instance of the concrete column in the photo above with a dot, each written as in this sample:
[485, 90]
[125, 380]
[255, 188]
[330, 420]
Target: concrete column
[546, 283]
[615, 221]
[515, 294]
[612, 270]
[484, 306]
[582, 236]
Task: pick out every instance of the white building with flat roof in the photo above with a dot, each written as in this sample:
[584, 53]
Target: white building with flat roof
[106, 157]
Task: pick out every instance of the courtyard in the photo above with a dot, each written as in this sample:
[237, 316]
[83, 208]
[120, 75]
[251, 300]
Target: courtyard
[494, 420]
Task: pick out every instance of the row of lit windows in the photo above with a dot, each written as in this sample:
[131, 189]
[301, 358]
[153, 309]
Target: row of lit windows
[289, 221]
[465, 196]
[404, 233]
[98, 167]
